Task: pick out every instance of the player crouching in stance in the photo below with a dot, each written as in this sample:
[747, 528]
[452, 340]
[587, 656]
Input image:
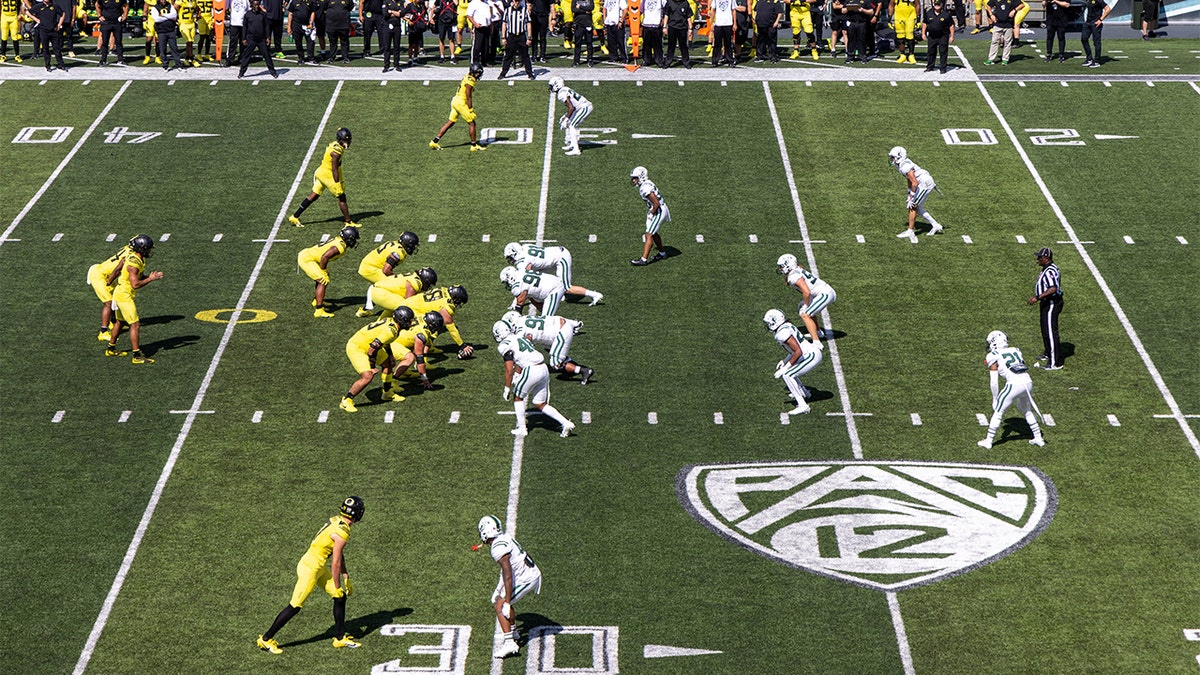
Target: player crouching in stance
[369, 345]
[329, 543]
[578, 108]
[329, 175]
[518, 576]
[102, 277]
[555, 334]
[543, 291]
[380, 263]
[802, 357]
[657, 215]
[817, 293]
[1018, 387]
[555, 259]
[315, 260]
[462, 105]
[526, 364]
[130, 277]
[920, 184]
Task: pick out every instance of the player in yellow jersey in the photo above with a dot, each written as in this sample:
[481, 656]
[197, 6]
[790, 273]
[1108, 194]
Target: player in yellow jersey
[412, 345]
[904, 14]
[389, 293]
[444, 301]
[800, 14]
[329, 176]
[461, 18]
[10, 29]
[204, 29]
[329, 544]
[150, 34]
[462, 105]
[102, 277]
[188, 11]
[130, 277]
[315, 260]
[369, 353]
[380, 263]
[568, 22]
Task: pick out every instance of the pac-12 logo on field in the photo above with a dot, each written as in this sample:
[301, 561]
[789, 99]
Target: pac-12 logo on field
[882, 525]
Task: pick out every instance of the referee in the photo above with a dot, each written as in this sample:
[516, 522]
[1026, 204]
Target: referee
[1048, 293]
[518, 36]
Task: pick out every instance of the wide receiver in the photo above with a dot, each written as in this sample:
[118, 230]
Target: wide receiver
[518, 576]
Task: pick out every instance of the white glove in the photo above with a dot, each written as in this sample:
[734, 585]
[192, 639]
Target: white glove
[562, 123]
[819, 345]
[506, 610]
[780, 371]
[781, 364]
[507, 393]
[908, 203]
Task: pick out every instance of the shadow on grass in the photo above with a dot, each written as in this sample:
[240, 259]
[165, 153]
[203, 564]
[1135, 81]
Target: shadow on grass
[161, 320]
[358, 627]
[166, 345]
[526, 622]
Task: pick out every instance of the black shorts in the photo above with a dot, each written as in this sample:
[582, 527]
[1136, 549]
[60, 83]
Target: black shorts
[445, 32]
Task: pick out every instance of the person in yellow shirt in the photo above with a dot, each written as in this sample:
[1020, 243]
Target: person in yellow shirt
[188, 12]
[800, 15]
[904, 15]
[130, 278]
[444, 301]
[461, 18]
[329, 177]
[462, 105]
[315, 260]
[411, 347]
[329, 544]
[390, 292]
[102, 277]
[369, 353]
[150, 34]
[380, 263]
[204, 28]
[10, 29]
[568, 22]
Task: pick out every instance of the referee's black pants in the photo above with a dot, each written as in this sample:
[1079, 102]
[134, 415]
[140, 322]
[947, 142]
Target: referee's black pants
[936, 47]
[652, 54]
[514, 47]
[1050, 309]
[111, 29]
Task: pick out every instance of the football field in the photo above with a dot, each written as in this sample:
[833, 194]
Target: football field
[154, 514]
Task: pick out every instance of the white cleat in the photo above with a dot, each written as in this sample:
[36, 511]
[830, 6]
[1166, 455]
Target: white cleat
[596, 300]
[567, 429]
[520, 431]
[573, 152]
[907, 234]
[506, 649]
[800, 409]
[1039, 441]
[936, 229]
[985, 444]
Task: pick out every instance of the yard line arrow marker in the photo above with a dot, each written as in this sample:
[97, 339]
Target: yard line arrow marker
[661, 651]
[1111, 137]
[184, 134]
[651, 136]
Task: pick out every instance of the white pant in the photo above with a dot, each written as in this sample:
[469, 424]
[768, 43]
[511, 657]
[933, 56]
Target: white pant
[532, 384]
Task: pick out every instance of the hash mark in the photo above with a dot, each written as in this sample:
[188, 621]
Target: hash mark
[323, 417]
[591, 238]
[585, 417]
[652, 418]
[699, 239]
[983, 421]
[432, 238]
[1112, 419]
[1128, 239]
[487, 238]
[1048, 419]
[58, 416]
[256, 417]
[111, 237]
[754, 239]
[784, 419]
[217, 237]
[378, 238]
[860, 239]
[967, 239]
[1181, 240]
[454, 417]
[1021, 239]
[165, 236]
[57, 237]
[389, 416]
[718, 418]
[916, 419]
[124, 416]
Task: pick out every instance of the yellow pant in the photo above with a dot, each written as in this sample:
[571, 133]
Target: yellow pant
[801, 20]
[98, 283]
[458, 108]
[126, 309]
[906, 20]
[10, 28]
[323, 179]
[307, 579]
[187, 32]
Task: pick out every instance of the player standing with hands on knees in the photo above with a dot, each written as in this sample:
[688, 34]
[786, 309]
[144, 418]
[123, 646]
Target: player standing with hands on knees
[578, 108]
[518, 575]
[919, 185]
[1018, 388]
[655, 217]
[802, 357]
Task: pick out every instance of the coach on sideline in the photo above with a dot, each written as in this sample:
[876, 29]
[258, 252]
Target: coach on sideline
[1048, 293]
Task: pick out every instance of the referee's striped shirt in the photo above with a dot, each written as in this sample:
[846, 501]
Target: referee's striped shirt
[1048, 279]
[516, 19]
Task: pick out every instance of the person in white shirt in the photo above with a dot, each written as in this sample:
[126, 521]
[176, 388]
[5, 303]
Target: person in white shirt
[479, 15]
[614, 29]
[553, 259]
[721, 14]
[816, 292]
[652, 32]
[578, 108]
[802, 357]
[526, 378]
[1018, 388]
[919, 184]
[543, 291]
[237, 15]
[518, 576]
[555, 334]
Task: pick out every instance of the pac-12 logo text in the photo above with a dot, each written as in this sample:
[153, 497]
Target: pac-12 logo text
[883, 525]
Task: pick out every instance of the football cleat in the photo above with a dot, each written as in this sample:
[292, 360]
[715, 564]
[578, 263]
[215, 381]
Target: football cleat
[158, 60]
[912, 58]
[18, 59]
[934, 230]
[907, 234]
[346, 640]
[392, 395]
[363, 312]
[268, 645]
[800, 409]
[140, 358]
[639, 262]
[433, 145]
[596, 300]
[507, 648]
[985, 444]
[104, 336]
[113, 351]
[3, 58]
[661, 255]
[320, 313]
[573, 152]
[587, 375]
[903, 58]
[475, 147]
[520, 431]
[295, 221]
[347, 404]
[146, 61]
[566, 431]
[816, 55]
[1039, 441]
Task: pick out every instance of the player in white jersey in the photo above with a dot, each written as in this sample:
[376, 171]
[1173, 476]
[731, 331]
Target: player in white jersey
[919, 184]
[802, 357]
[526, 378]
[578, 108]
[543, 291]
[817, 294]
[1018, 387]
[554, 333]
[518, 576]
[556, 259]
[657, 214]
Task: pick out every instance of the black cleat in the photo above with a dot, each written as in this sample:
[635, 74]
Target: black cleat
[587, 375]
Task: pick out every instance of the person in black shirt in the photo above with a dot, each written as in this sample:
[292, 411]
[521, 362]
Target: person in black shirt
[1094, 14]
[337, 25]
[166, 26]
[858, 15]
[767, 15]
[937, 29]
[49, 19]
[583, 28]
[300, 23]
[112, 25]
[255, 28]
[678, 16]
[445, 14]
[1002, 13]
[518, 35]
[274, 11]
[539, 17]
[373, 22]
[390, 35]
[1056, 26]
[416, 15]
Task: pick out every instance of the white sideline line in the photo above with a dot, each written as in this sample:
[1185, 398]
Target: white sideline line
[901, 634]
[851, 426]
[98, 627]
[63, 164]
[1091, 265]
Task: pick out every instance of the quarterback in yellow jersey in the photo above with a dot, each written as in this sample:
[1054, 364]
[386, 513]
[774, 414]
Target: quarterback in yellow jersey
[102, 277]
[904, 14]
[444, 301]
[800, 15]
[329, 176]
[329, 544]
[390, 292]
[315, 260]
[130, 277]
[204, 28]
[462, 105]
[369, 354]
[10, 29]
[380, 263]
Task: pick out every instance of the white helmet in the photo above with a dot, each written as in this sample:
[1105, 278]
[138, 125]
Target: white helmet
[514, 319]
[556, 83]
[489, 527]
[638, 174]
[996, 340]
[774, 319]
[501, 330]
[896, 155]
[511, 250]
[787, 264]
[510, 277]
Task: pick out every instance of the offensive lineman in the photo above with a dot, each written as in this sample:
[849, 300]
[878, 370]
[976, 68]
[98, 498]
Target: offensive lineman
[802, 357]
[330, 542]
[518, 575]
[329, 176]
[556, 259]
[526, 378]
[1018, 388]
[920, 184]
[365, 349]
[555, 334]
[391, 292]
[315, 260]
[817, 293]
[655, 217]
[380, 263]
[578, 108]
[444, 301]
[543, 291]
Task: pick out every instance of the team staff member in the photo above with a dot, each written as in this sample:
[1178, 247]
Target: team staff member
[677, 17]
[1002, 13]
[131, 278]
[368, 347]
[274, 12]
[462, 105]
[329, 176]
[315, 263]
[237, 23]
[393, 10]
[479, 16]
[1056, 26]
[102, 277]
[1047, 293]
[112, 15]
[416, 15]
[1094, 14]
[858, 17]
[539, 17]
[582, 11]
[937, 29]
[166, 25]
[337, 26]
[373, 23]
[49, 19]
[300, 23]
[255, 27]
[329, 544]
[767, 15]
[904, 15]
[518, 36]
[10, 29]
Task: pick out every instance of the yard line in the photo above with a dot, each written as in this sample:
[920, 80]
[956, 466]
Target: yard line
[851, 427]
[111, 599]
[1091, 265]
[63, 164]
[901, 635]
